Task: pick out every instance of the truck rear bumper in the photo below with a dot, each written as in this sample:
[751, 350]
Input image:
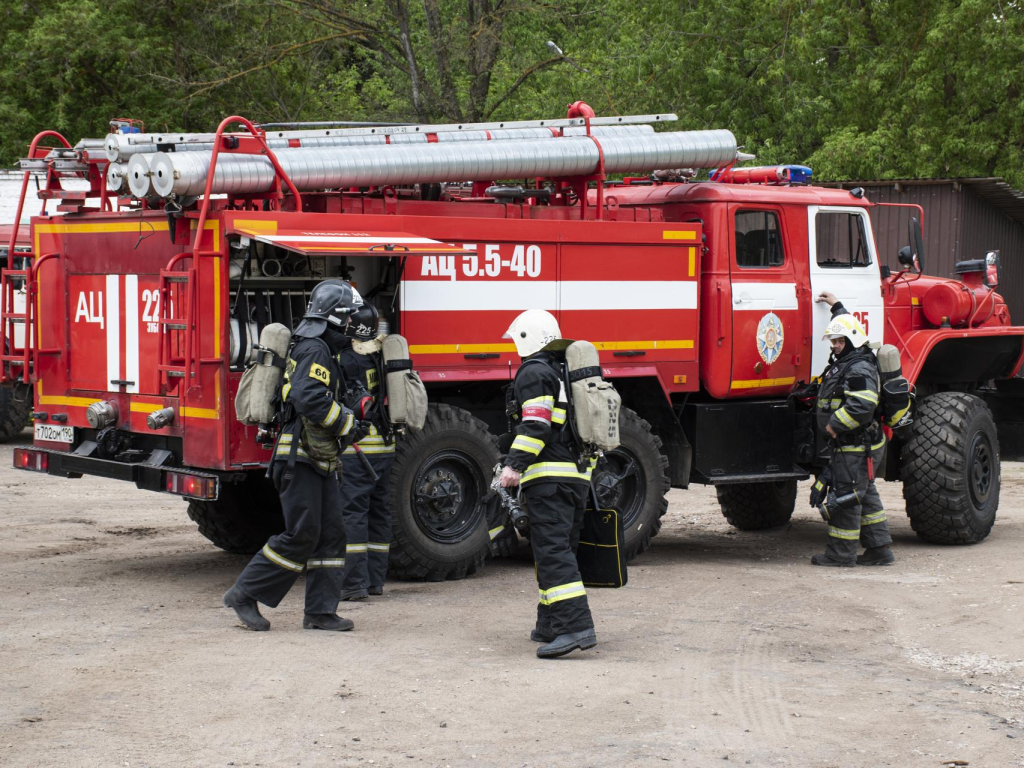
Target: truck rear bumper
[149, 476]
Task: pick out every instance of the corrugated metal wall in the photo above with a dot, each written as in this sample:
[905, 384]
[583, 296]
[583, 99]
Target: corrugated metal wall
[985, 229]
[958, 225]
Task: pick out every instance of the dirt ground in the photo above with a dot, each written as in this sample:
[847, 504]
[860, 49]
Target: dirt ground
[725, 648]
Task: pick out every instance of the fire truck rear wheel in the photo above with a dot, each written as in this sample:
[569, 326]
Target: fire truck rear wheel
[15, 410]
[440, 475]
[757, 506]
[634, 479]
[951, 469]
[243, 518]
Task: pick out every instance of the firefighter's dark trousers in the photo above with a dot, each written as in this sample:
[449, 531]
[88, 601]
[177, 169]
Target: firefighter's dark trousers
[556, 514]
[864, 522]
[313, 541]
[366, 507]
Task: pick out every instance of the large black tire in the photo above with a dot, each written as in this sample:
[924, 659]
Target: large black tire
[634, 479]
[951, 469]
[757, 506]
[15, 411]
[243, 518]
[440, 476]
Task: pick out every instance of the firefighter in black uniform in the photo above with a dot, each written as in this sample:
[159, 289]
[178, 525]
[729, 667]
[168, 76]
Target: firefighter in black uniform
[303, 469]
[847, 401]
[365, 499]
[554, 480]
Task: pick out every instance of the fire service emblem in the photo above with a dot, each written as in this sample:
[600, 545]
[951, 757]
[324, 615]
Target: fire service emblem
[770, 337]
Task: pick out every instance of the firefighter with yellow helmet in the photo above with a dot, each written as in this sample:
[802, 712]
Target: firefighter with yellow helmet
[845, 492]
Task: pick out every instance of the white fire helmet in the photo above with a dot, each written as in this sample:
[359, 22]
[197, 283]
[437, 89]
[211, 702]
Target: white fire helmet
[532, 331]
[848, 327]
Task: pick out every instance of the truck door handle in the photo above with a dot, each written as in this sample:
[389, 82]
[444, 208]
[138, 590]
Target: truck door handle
[629, 353]
[481, 355]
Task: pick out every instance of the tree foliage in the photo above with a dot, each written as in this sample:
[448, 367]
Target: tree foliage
[854, 88]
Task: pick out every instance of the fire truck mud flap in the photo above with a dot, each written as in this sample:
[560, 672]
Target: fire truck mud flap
[440, 477]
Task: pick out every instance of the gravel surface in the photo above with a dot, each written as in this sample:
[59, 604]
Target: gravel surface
[725, 648]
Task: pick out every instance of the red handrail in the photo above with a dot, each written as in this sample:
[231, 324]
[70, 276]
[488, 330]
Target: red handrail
[24, 188]
[208, 190]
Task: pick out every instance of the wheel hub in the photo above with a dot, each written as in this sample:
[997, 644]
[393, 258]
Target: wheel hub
[445, 496]
[980, 470]
[442, 493]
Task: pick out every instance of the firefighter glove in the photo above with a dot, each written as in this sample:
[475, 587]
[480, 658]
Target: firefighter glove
[359, 430]
[819, 488]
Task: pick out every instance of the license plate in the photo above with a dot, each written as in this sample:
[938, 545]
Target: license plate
[54, 434]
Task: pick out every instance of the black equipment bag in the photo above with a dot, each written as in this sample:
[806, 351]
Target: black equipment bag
[601, 555]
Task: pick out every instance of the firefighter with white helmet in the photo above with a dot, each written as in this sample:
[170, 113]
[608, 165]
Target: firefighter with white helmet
[315, 423]
[554, 478]
[845, 492]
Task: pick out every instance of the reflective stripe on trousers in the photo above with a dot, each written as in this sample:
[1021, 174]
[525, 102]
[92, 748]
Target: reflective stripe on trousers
[872, 518]
[562, 592]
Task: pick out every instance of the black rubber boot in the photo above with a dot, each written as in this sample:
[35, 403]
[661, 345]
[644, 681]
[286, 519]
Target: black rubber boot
[246, 609]
[542, 635]
[568, 643]
[877, 556]
[332, 622]
[376, 590]
[354, 594]
[829, 562]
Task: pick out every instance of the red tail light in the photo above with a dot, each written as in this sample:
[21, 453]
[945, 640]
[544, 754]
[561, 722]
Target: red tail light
[194, 486]
[26, 458]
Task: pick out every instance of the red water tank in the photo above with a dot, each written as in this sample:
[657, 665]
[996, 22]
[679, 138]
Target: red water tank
[958, 303]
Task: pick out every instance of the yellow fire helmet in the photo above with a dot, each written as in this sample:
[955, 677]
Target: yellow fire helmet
[848, 327]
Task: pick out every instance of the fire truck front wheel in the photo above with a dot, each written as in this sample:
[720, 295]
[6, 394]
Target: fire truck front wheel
[15, 409]
[757, 506]
[441, 474]
[243, 518]
[951, 469]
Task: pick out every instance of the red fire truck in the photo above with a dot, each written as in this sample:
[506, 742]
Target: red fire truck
[146, 303]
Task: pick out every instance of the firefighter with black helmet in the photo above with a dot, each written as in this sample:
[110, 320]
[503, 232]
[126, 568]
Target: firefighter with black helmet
[845, 492]
[554, 480]
[366, 492]
[315, 422]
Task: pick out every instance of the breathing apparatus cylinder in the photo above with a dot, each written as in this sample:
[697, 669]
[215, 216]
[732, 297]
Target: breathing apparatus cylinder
[595, 403]
[407, 397]
[254, 401]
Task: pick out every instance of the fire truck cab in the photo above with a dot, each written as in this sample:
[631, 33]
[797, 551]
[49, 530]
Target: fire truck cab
[698, 295]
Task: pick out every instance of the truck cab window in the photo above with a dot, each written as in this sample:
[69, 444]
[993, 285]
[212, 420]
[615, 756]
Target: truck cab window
[758, 240]
[841, 240]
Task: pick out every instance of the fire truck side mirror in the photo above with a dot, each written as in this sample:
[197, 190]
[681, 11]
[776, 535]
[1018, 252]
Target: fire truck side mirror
[917, 245]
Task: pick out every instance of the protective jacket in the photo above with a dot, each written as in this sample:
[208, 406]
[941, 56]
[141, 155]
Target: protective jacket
[848, 395]
[362, 373]
[314, 417]
[544, 449]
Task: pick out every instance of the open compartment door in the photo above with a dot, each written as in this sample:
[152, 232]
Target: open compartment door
[349, 243]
